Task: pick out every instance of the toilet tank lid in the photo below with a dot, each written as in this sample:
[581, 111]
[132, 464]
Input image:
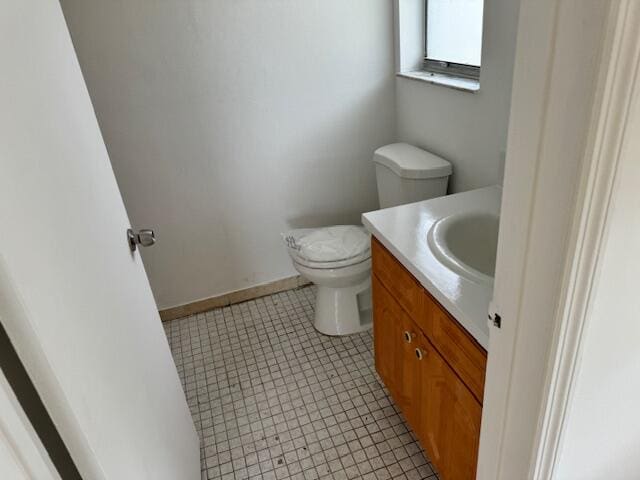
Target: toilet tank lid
[408, 161]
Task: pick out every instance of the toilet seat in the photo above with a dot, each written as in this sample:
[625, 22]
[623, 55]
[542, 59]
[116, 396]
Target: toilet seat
[329, 265]
[332, 247]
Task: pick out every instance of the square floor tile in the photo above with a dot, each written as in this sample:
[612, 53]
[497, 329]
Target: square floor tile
[272, 398]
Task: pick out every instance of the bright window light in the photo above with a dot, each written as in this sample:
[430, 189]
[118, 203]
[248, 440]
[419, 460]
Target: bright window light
[454, 31]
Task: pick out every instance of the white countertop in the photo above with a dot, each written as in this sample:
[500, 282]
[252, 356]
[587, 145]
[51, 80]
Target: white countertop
[403, 231]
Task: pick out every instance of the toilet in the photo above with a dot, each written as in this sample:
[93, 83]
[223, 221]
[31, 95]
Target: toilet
[338, 258]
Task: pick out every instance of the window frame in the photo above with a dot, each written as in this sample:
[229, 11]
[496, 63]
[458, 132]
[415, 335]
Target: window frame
[442, 66]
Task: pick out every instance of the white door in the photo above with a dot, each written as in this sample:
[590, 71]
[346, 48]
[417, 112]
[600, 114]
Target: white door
[74, 300]
[554, 94]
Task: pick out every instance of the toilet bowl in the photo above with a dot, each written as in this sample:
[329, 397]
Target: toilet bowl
[338, 258]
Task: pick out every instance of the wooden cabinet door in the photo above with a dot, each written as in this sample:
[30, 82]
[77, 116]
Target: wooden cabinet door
[395, 338]
[410, 372]
[449, 421]
[387, 336]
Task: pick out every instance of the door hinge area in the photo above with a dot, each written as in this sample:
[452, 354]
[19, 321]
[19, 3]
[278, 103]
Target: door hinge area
[494, 317]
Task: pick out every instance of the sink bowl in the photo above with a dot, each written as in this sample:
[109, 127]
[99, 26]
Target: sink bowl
[467, 244]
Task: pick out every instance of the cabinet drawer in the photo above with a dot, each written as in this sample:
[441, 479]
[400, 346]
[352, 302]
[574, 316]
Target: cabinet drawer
[461, 351]
[404, 288]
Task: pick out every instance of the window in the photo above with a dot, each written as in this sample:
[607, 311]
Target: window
[453, 38]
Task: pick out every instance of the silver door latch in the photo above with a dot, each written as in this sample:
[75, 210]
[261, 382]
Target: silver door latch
[144, 238]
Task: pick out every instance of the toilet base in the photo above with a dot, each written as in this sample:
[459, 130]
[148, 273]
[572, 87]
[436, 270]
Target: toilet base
[343, 298]
[344, 310]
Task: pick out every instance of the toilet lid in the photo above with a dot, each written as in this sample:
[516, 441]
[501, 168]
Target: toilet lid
[330, 244]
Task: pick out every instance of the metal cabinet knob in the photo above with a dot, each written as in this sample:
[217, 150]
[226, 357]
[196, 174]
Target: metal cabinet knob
[419, 354]
[145, 238]
[408, 336]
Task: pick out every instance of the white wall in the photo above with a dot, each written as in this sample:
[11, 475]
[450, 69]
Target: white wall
[469, 129]
[601, 438]
[228, 122]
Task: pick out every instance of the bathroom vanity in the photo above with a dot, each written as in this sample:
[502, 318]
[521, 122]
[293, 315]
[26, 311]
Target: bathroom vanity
[430, 322]
[433, 369]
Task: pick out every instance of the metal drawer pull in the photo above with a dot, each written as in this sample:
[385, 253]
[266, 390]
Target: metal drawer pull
[419, 354]
[408, 336]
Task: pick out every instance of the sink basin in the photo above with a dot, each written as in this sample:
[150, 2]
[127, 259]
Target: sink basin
[467, 244]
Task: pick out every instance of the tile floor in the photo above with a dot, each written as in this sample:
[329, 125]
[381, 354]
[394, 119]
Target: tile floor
[274, 399]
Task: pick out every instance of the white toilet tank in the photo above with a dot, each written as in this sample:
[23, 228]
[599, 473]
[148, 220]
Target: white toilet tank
[407, 174]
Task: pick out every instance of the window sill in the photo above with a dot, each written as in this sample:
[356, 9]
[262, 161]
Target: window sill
[457, 83]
